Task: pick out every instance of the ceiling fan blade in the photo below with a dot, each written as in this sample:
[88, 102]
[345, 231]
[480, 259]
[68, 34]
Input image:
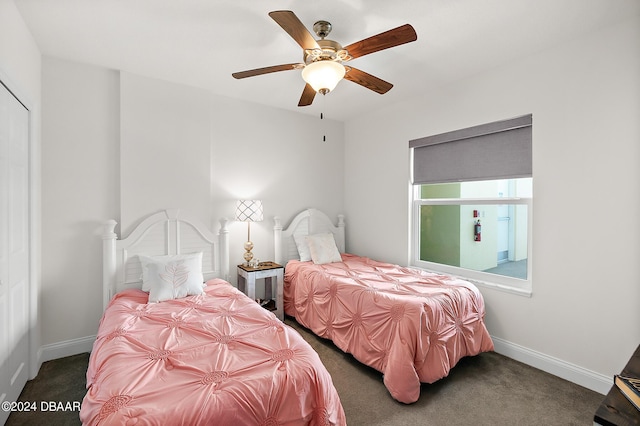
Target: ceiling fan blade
[267, 70]
[395, 37]
[307, 96]
[367, 80]
[296, 29]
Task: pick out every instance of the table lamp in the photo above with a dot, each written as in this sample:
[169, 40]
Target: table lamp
[249, 211]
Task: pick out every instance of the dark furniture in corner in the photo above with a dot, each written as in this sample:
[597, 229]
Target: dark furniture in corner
[616, 410]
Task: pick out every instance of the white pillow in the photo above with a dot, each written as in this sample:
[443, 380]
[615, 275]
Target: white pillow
[303, 247]
[323, 248]
[172, 277]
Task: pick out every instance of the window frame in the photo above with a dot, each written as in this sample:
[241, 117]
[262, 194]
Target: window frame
[522, 287]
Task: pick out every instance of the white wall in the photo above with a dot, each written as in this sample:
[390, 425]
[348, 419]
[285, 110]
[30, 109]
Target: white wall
[80, 175]
[585, 100]
[120, 146]
[19, 54]
[165, 144]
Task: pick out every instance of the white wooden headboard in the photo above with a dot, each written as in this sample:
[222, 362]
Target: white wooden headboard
[163, 233]
[307, 222]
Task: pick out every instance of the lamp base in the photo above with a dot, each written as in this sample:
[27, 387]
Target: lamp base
[248, 255]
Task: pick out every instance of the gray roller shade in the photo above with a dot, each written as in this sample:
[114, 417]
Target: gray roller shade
[498, 150]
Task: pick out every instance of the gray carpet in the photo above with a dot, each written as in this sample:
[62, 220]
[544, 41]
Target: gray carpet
[488, 389]
[62, 380]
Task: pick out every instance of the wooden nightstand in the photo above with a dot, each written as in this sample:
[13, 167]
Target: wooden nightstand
[247, 277]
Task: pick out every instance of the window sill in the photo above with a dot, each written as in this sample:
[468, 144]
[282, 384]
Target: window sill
[525, 292]
[522, 288]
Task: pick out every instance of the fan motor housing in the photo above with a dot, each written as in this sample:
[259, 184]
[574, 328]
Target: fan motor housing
[322, 28]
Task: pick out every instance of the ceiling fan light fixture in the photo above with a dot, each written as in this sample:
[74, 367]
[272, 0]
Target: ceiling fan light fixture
[323, 76]
[322, 59]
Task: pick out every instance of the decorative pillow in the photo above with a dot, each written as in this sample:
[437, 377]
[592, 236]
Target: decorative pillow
[323, 248]
[303, 247]
[172, 277]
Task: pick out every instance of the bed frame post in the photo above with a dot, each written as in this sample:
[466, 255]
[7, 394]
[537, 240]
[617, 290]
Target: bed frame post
[343, 239]
[277, 240]
[108, 261]
[224, 249]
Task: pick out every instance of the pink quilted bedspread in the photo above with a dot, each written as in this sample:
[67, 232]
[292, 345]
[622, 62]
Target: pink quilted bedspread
[216, 358]
[411, 325]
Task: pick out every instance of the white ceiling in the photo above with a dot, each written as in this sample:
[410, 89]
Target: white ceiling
[201, 42]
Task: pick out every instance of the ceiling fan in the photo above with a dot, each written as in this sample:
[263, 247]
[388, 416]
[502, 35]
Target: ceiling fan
[323, 67]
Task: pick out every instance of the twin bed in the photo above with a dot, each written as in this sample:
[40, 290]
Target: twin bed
[172, 351]
[411, 325]
[199, 355]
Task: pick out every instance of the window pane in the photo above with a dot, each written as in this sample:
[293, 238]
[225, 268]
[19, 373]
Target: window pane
[479, 189]
[448, 236]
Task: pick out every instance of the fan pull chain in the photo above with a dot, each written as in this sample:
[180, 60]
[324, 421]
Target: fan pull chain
[324, 123]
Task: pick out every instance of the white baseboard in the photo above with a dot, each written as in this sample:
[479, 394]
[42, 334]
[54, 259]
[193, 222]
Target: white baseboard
[571, 372]
[66, 348]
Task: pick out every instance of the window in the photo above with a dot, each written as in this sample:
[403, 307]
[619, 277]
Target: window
[475, 221]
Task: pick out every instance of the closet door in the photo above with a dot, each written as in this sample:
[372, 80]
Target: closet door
[14, 247]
